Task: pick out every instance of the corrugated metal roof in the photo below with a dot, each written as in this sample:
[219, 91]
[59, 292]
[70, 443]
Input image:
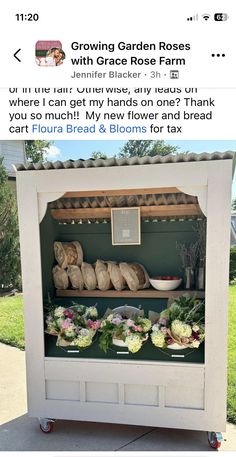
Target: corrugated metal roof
[120, 201]
[164, 200]
[123, 161]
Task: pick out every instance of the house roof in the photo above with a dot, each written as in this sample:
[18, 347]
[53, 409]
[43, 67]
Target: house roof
[123, 161]
[12, 151]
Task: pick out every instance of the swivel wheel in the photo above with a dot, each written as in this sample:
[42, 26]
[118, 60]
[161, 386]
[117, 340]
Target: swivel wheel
[214, 439]
[46, 425]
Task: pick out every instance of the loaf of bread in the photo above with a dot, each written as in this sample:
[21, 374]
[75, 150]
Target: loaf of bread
[135, 275]
[117, 280]
[102, 274]
[89, 276]
[60, 278]
[75, 276]
[68, 253]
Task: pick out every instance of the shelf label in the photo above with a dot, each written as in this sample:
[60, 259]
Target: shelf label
[177, 355]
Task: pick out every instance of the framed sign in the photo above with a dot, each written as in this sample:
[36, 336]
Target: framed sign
[125, 226]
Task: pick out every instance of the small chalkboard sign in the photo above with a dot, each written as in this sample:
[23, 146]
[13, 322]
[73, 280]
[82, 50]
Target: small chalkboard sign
[125, 224]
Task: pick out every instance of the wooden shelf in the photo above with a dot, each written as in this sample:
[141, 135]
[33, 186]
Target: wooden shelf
[145, 293]
[118, 192]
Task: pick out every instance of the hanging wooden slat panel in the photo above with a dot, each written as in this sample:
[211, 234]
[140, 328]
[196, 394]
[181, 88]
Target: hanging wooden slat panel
[146, 211]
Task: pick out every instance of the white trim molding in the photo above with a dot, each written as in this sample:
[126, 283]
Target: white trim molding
[200, 192]
[44, 199]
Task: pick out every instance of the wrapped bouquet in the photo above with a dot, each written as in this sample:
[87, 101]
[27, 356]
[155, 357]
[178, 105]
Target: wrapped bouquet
[181, 325]
[74, 326]
[124, 326]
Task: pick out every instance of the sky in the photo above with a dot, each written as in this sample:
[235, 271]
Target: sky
[64, 150]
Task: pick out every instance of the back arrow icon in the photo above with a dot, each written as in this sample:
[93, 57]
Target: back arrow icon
[15, 55]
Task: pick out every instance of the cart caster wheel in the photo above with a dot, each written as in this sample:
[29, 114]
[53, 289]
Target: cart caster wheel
[214, 439]
[46, 425]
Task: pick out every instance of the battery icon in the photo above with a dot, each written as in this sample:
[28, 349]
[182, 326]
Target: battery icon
[221, 17]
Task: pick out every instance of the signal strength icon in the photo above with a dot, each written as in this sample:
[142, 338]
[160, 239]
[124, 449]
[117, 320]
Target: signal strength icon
[206, 16]
[193, 18]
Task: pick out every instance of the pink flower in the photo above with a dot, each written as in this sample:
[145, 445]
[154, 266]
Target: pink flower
[94, 325]
[130, 323]
[137, 328]
[68, 314]
[170, 341]
[66, 324]
[116, 320]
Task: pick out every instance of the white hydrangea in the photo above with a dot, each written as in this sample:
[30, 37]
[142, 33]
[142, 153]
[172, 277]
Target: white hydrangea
[83, 341]
[51, 327]
[146, 324]
[69, 332]
[110, 317]
[60, 322]
[59, 311]
[155, 327]
[181, 329]
[202, 337]
[92, 312]
[103, 324]
[158, 338]
[195, 344]
[84, 332]
[133, 342]
[84, 338]
[195, 328]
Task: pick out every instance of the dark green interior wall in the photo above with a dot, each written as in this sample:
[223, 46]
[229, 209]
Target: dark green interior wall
[48, 234]
[157, 251]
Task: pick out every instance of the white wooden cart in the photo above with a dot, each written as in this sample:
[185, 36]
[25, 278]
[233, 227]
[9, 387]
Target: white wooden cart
[150, 393]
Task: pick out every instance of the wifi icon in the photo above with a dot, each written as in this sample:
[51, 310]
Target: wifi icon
[206, 16]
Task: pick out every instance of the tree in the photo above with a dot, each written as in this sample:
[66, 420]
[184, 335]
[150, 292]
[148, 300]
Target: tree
[234, 204]
[99, 155]
[9, 236]
[143, 148]
[36, 150]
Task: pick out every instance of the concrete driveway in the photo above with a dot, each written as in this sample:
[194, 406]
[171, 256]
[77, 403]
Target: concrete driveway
[18, 432]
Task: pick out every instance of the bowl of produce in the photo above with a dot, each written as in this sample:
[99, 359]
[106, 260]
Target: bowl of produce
[165, 282]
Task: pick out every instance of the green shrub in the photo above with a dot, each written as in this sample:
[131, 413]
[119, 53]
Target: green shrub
[232, 264]
[9, 235]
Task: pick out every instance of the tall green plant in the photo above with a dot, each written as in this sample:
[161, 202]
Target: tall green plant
[9, 236]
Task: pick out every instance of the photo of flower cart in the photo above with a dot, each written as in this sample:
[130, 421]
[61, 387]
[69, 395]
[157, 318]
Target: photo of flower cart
[147, 355]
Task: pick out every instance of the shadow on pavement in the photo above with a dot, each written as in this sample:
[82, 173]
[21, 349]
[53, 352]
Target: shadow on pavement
[24, 434]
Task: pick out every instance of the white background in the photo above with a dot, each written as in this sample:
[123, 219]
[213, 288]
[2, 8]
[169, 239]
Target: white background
[130, 21]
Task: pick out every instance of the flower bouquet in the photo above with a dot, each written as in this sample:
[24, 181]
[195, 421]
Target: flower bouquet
[181, 325]
[124, 326]
[54, 320]
[74, 326]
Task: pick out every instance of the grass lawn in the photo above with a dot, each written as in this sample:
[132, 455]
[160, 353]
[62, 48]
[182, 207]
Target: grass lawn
[231, 407]
[11, 321]
[12, 332]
